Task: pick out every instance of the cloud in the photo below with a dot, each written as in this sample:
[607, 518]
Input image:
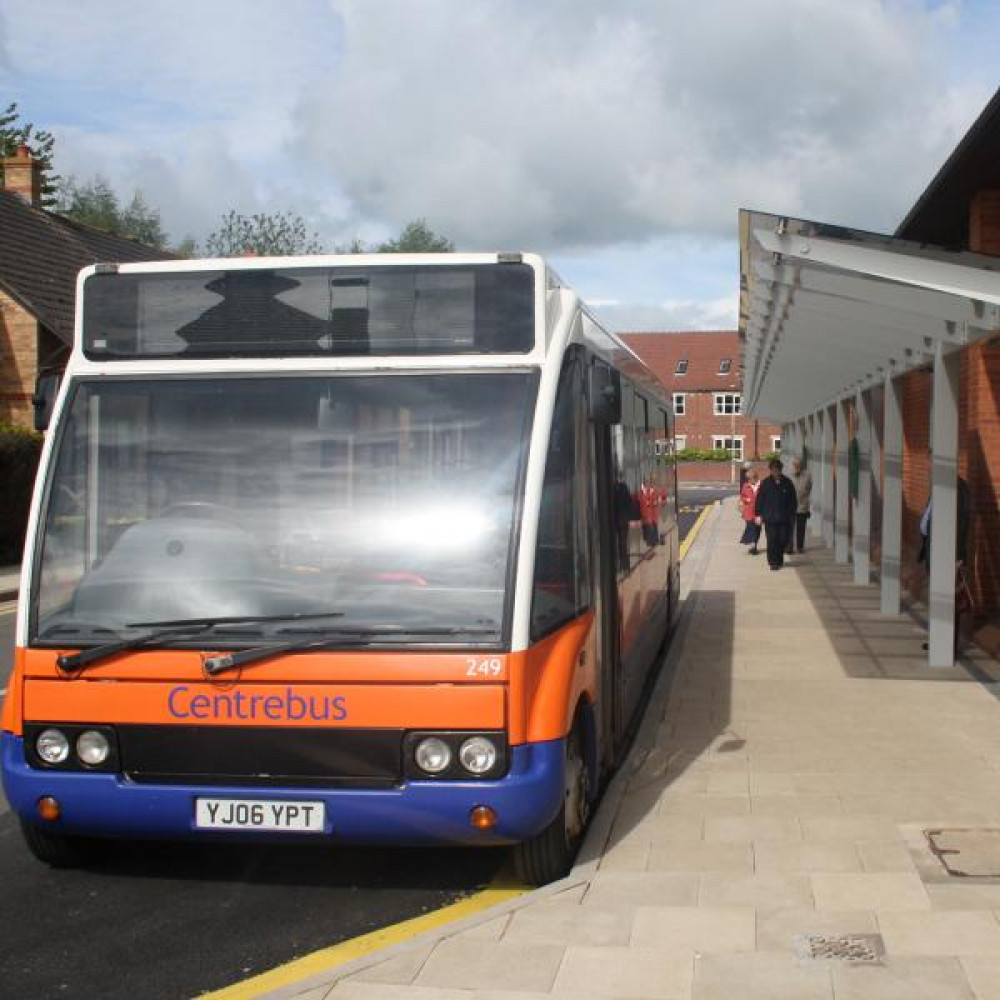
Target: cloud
[188, 104]
[575, 124]
[5, 64]
[574, 127]
[680, 314]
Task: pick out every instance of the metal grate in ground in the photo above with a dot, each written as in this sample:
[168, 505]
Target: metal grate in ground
[856, 949]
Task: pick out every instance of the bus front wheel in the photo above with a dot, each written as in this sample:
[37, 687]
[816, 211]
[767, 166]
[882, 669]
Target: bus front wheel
[549, 856]
[55, 849]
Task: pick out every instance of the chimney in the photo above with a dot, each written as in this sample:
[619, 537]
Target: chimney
[22, 174]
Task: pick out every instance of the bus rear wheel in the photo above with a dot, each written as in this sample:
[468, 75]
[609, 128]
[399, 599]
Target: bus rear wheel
[549, 856]
[55, 849]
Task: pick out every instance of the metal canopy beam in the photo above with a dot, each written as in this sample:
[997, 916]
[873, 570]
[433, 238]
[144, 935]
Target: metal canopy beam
[907, 300]
[826, 312]
[894, 321]
[904, 268]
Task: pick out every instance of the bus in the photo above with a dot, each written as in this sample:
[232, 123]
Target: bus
[374, 549]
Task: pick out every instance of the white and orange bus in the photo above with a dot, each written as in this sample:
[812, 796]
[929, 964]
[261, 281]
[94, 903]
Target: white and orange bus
[366, 549]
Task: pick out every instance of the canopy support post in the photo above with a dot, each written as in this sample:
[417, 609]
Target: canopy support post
[944, 507]
[863, 504]
[892, 495]
[842, 490]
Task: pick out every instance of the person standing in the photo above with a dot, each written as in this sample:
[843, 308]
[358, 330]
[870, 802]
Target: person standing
[748, 511]
[802, 480]
[776, 507]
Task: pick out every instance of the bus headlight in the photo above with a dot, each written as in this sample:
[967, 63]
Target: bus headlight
[432, 755]
[92, 747]
[477, 755]
[52, 746]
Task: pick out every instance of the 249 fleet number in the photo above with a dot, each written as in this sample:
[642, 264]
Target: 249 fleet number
[490, 667]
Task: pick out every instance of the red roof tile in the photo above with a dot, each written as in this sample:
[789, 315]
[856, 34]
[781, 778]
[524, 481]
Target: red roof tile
[703, 350]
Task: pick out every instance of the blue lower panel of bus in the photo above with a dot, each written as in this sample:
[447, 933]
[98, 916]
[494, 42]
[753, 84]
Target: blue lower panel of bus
[416, 812]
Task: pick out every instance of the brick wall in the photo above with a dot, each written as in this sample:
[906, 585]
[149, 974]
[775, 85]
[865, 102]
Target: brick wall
[979, 464]
[707, 472]
[700, 423]
[18, 362]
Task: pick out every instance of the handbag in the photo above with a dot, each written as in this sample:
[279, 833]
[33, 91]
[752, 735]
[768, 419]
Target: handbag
[964, 602]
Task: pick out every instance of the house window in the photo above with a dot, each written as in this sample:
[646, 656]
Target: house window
[775, 443]
[682, 367]
[725, 365]
[727, 403]
[679, 402]
[734, 445]
[680, 442]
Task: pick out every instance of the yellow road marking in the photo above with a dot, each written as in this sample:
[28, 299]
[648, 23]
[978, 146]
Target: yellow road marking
[501, 889]
[695, 528]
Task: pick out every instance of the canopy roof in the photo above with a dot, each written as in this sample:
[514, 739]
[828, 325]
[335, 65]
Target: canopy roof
[826, 311]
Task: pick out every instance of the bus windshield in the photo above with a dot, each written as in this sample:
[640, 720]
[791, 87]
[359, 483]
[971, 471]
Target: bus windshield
[386, 499]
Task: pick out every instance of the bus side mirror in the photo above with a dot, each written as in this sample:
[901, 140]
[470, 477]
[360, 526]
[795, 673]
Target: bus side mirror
[44, 399]
[604, 395]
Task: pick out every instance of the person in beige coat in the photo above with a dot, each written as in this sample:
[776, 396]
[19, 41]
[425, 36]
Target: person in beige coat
[802, 478]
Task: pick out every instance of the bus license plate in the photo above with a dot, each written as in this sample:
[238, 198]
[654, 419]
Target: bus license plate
[259, 814]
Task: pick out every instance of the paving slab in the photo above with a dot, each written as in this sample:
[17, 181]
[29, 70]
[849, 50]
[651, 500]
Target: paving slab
[783, 790]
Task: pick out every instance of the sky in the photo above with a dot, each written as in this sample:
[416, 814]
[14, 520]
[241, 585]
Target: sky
[618, 139]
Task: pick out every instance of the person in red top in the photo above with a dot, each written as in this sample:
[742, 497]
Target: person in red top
[748, 511]
[651, 499]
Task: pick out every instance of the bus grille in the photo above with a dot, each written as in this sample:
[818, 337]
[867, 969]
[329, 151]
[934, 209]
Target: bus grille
[231, 755]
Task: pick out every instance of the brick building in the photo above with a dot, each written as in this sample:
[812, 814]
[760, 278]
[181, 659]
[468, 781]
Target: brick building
[41, 254]
[960, 209]
[703, 372]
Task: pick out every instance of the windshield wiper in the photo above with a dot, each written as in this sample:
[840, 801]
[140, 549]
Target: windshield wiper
[340, 638]
[176, 629]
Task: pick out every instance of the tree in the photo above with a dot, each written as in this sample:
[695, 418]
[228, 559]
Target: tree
[187, 248]
[14, 133]
[95, 204]
[141, 223]
[274, 234]
[417, 237]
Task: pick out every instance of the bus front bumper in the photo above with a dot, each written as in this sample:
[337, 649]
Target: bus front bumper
[525, 801]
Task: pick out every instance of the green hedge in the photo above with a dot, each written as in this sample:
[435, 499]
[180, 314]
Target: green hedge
[19, 451]
[703, 455]
[715, 455]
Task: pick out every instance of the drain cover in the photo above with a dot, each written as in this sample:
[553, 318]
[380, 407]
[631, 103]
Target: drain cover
[858, 949]
[967, 853]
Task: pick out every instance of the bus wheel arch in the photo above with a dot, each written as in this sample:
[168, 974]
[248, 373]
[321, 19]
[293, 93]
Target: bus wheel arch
[549, 855]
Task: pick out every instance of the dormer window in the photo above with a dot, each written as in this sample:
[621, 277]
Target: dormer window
[682, 367]
[725, 366]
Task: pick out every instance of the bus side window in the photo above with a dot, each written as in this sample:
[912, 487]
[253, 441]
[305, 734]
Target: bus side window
[561, 587]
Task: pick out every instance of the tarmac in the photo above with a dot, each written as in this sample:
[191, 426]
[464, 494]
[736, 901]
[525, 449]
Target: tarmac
[809, 813]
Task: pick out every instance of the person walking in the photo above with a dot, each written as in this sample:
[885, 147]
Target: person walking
[776, 507]
[748, 511]
[802, 480]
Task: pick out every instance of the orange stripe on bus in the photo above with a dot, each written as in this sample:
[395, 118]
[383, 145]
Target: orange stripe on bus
[404, 667]
[10, 715]
[415, 706]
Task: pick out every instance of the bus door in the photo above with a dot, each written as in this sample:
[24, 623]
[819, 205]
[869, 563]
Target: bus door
[610, 557]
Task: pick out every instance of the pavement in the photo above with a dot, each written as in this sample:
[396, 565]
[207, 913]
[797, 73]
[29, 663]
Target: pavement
[786, 827]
